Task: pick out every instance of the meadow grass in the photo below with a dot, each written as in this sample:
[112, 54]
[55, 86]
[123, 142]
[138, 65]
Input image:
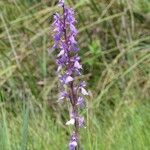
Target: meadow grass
[115, 51]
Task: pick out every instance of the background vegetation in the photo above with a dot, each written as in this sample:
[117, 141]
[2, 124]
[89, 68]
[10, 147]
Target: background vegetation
[114, 38]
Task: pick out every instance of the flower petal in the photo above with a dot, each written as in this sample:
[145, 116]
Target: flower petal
[68, 79]
[61, 3]
[72, 145]
[84, 92]
[71, 122]
[80, 102]
[77, 65]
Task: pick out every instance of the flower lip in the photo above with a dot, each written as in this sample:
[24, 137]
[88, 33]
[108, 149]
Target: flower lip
[61, 3]
[77, 65]
[68, 79]
[83, 91]
[71, 122]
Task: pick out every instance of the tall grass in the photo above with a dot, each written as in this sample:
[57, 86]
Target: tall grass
[115, 49]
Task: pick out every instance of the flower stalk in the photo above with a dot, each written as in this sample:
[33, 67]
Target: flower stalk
[69, 68]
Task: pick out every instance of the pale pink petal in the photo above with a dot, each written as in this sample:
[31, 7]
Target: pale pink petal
[70, 122]
[84, 92]
[77, 65]
[68, 79]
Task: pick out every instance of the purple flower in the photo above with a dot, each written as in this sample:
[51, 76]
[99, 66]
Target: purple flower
[69, 79]
[69, 13]
[83, 91]
[73, 29]
[77, 65]
[61, 3]
[72, 145]
[72, 40]
[81, 122]
[75, 58]
[65, 79]
[63, 95]
[58, 30]
[73, 142]
[80, 102]
[69, 67]
[83, 84]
